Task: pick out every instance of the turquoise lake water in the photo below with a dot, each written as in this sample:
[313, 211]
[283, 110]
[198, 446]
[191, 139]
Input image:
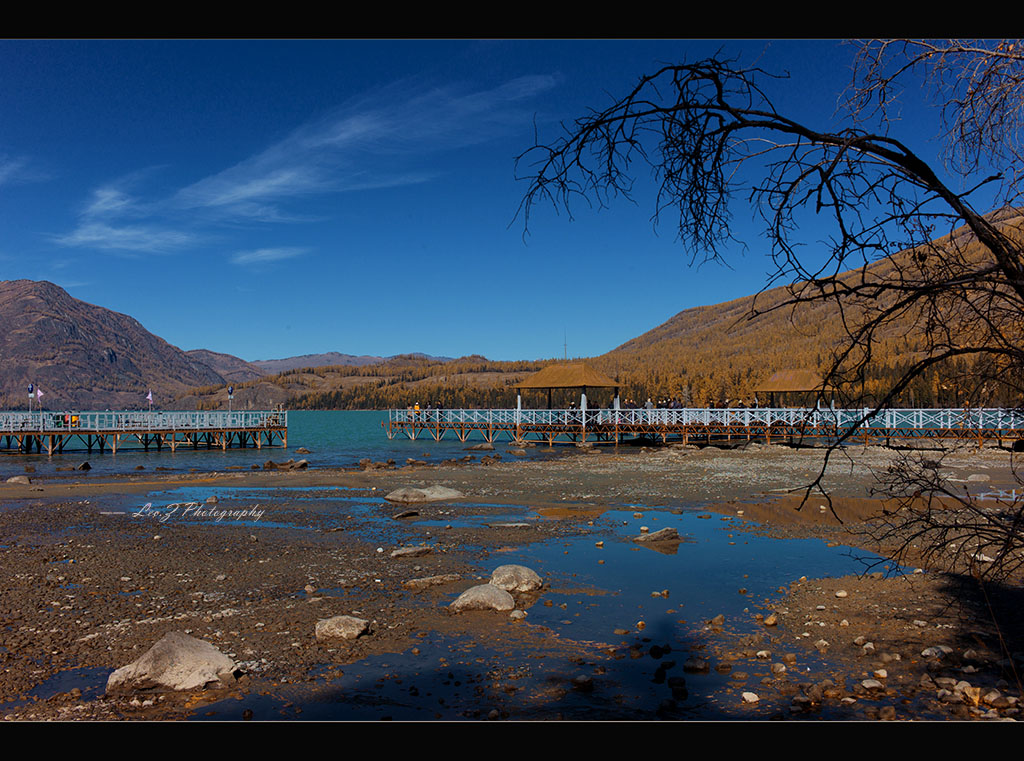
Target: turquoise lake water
[336, 439]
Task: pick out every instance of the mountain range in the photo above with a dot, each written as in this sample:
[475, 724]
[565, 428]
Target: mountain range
[83, 356]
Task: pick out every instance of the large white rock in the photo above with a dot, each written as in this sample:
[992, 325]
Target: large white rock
[407, 495]
[341, 627]
[516, 578]
[483, 597]
[176, 662]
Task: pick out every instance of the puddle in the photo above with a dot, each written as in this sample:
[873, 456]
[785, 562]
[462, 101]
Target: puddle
[638, 673]
[91, 681]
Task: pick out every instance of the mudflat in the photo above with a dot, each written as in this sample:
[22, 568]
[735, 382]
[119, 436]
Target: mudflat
[96, 570]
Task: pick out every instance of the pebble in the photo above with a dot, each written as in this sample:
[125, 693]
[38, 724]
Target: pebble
[750, 697]
[840, 593]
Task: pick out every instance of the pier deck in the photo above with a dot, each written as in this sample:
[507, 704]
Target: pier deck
[705, 424]
[54, 432]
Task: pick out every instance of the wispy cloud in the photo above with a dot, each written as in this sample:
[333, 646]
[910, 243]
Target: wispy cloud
[383, 140]
[368, 143]
[126, 238]
[264, 255]
[18, 169]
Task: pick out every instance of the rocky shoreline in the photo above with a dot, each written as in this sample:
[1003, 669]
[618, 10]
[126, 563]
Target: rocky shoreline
[88, 589]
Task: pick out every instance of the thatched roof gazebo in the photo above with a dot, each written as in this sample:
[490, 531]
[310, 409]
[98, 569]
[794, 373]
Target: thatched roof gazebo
[568, 375]
[792, 381]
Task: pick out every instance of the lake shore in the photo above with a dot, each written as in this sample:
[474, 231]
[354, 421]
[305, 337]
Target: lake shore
[89, 586]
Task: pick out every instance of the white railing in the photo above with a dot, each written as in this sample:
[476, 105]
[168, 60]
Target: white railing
[891, 419]
[91, 422]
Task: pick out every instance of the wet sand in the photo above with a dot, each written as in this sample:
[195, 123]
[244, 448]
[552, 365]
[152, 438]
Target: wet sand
[87, 591]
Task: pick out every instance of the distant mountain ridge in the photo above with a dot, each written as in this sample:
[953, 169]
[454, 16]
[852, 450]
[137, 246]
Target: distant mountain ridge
[83, 356]
[329, 359]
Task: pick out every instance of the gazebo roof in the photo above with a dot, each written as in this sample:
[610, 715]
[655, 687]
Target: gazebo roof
[792, 380]
[570, 375]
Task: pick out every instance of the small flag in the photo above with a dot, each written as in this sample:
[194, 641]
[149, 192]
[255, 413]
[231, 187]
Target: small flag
[149, 396]
[39, 393]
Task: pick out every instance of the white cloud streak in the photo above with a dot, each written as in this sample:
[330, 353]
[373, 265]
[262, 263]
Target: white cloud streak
[126, 238]
[366, 144]
[265, 255]
[378, 141]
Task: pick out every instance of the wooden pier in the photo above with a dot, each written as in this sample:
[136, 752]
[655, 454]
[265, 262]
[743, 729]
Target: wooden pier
[702, 425]
[55, 432]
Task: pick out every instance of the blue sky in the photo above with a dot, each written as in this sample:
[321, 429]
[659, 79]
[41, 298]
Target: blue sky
[269, 199]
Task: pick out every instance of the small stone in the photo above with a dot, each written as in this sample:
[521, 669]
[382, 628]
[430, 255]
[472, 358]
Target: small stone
[750, 697]
[411, 552]
[664, 535]
[583, 683]
[341, 627]
[696, 665]
[840, 593]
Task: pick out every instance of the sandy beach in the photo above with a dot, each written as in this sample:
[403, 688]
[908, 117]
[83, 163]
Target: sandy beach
[92, 577]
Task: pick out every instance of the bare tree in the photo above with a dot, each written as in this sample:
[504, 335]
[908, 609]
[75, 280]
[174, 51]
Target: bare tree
[907, 244]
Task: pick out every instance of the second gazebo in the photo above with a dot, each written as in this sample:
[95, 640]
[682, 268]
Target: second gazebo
[574, 375]
[799, 382]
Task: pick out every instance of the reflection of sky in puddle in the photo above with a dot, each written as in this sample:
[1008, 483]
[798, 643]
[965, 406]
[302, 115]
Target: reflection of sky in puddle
[91, 681]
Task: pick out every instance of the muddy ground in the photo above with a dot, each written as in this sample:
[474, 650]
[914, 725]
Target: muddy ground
[87, 590]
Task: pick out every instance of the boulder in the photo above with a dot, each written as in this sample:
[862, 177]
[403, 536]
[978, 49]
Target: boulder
[19, 480]
[341, 627]
[665, 535]
[516, 578]
[84, 466]
[407, 495]
[176, 662]
[483, 597]
[486, 447]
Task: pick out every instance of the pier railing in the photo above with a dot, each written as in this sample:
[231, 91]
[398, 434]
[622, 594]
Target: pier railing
[986, 419]
[122, 421]
[701, 421]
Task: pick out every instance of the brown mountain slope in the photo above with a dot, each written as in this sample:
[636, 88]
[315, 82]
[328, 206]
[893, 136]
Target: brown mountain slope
[83, 356]
[717, 353]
